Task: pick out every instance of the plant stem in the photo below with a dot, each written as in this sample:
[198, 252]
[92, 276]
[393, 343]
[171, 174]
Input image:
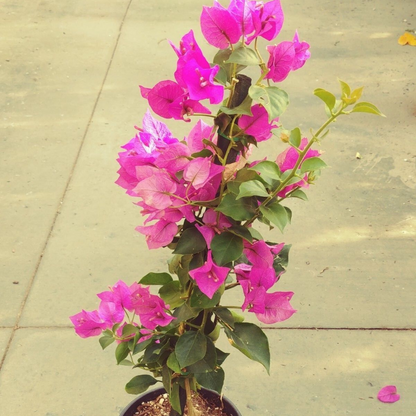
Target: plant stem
[201, 115]
[191, 410]
[302, 154]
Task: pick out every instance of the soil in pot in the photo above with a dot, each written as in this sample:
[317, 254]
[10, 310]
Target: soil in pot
[161, 407]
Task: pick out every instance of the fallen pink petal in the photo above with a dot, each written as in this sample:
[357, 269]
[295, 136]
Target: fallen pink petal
[388, 394]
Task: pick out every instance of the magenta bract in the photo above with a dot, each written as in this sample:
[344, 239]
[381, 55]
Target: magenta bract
[388, 394]
[219, 26]
[258, 124]
[210, 276]
[280, 61]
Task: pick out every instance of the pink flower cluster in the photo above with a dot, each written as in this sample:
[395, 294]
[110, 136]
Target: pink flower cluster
[194, 82]
[285, 57]
[150, 309]
[161, 171]
[257, 278]
[250, 20]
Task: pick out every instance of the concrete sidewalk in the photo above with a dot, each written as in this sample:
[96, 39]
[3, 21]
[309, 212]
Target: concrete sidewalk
[69, 80]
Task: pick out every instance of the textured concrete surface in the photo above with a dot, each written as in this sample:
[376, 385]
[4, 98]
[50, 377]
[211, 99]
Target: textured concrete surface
[69, 74]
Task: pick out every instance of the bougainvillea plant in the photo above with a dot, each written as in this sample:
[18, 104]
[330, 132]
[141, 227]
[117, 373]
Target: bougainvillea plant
[201, 197]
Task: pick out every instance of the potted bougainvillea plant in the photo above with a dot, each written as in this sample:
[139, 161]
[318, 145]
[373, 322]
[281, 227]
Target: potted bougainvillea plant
[201, 197]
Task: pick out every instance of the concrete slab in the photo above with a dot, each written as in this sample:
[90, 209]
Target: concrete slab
[52, 372]
[53, 60]
[352, 260]
[4, 339]
[317, 373]
[353, 238]
[325, 373]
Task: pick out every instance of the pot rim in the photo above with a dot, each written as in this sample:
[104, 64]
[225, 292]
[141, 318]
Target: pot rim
[155, 392]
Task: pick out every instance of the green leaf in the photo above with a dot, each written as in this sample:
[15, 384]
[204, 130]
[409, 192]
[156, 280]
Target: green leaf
[226, 247]
[268, 170]
[356, 94]
[201, 301]
[255, 234]
[219, 59]
[243, 175]
[345, 88]
[252, 188]
[105, 341]
[190, 242]
[365, 107]
[221, 77]
[221, 356]
[174, 398]
[207, 363]
[156, 279]
[122, 351]
[243, 56]
[171, 293]
[289, 214]
[299, 194]
[129, 329]
[276, 214]
[243, 108]
[327, 97]
[182, 268]
[295, 137]
[282, 260]
[139, 384]
[202, 153]
[185, 312]
[237, 317]
[154, 351]
[167, 379]
[312, 164]
[273, 99]
[190, 348]
[251, 341]
[295, 179]
[126, 363]
[225, 315]
[132, 343]
[213, 380]
[172, 363]
[241, 231]
[239, 210]
[141, 346]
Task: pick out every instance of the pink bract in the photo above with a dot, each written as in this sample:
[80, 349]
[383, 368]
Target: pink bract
[267, 19]
[302, 53]
[152, 312]
[388, 394]
[161, 96]
[243, 15]
[258, 254]
[88, 324]
[200, 82]
[219, 27]
[160, 234]
[280, 61]
[258, 124]
[201, 170]
[210, 276]
[287, 160]
[277, 308]
[200, 131]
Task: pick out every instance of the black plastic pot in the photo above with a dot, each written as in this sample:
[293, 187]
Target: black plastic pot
[228, 406]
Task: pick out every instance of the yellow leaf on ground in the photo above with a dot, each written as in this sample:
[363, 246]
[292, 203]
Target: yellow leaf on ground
[407, 38]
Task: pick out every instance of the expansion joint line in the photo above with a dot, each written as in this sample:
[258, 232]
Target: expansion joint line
[58, 210]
